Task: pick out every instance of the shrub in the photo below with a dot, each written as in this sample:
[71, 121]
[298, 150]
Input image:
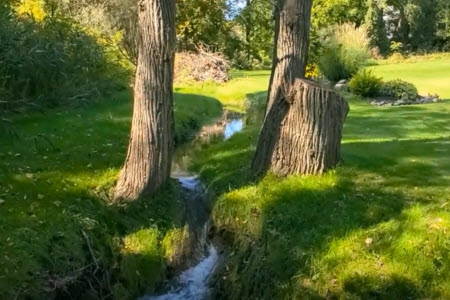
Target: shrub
[49, 61]
[345, 52]
[365, 84]
[399, 89]
[396, 58]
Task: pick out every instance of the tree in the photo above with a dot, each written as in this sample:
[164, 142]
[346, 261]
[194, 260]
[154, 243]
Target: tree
[202, 22]
[255, 23]
[376, 27]
[303, 123]
[148, 162]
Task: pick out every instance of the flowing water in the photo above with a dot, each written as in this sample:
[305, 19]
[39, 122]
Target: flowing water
[193, 283]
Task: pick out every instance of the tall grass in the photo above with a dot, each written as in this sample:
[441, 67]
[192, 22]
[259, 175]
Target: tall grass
[345, 52]
[48, 62]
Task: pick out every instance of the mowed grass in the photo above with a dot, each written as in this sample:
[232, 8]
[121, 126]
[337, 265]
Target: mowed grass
[377, 227]
[59, 234]
[293, 237]
[430, 76]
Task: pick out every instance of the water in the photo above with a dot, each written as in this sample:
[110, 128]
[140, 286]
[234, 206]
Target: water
[193, 283]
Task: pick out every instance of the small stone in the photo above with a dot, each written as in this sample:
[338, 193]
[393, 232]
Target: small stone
[340, 87]
[368, 241]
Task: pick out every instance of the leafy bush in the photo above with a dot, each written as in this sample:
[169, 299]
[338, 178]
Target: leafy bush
[399, 89]
[345, 52]
[365, 84]
[49, 61]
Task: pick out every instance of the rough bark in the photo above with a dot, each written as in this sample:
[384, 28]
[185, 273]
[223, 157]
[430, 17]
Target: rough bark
[303, 122]
[148, 162]
[309, 139]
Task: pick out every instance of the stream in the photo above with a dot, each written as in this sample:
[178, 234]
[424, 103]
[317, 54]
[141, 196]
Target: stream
[193, 283]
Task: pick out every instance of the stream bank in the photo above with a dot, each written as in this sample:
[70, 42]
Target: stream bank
[197, 253]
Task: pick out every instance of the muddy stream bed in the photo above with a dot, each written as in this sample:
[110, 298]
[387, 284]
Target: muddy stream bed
[193, 283]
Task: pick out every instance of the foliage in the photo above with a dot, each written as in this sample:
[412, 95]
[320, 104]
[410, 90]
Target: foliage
[51, 62]
[376, 27]
[345, 52]
[396, 57]
[253, 31]
[365, 84]
[399, 89]
[202, 22]
[326, 13]
[312, 71]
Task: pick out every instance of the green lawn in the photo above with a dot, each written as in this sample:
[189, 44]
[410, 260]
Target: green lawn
[56, 172]
[291, 237]
[378, 227]
[430, 76]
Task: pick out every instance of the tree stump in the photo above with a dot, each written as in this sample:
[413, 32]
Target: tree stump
[302, 132]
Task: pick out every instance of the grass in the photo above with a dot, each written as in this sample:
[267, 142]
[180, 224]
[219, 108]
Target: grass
[375, 228]
[430, 76]
[56, 172]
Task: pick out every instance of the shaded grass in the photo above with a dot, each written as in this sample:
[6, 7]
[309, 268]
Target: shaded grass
[59, 235]
[375, 228]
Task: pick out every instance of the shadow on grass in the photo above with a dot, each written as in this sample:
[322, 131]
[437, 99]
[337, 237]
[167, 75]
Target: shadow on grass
[283, 234]
[59, 234]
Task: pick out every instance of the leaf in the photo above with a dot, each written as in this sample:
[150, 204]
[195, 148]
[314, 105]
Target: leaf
[40, 196]
[2, 201]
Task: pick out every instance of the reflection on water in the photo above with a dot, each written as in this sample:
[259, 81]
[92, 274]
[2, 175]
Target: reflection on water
[232, 127]
[223, 129]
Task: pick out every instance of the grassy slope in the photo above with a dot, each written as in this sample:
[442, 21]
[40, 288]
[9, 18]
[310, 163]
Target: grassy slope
[377, 227]
[56, 171]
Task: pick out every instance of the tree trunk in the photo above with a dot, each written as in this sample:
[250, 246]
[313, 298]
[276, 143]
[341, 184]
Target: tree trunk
[149, 157]
[310, 134]
[303, 123]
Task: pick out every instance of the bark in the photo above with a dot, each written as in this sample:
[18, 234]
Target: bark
[303, 122]
[310, 135]
[148, 162]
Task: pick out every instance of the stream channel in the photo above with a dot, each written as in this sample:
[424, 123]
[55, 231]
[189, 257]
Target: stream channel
[193, 283]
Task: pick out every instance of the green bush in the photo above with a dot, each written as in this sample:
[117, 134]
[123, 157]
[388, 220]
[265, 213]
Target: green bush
[365, 84]
[399, 89]
[345, 52]
[49, 63]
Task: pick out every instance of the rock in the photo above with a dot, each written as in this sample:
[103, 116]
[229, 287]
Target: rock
[341, 87]
[435, 100]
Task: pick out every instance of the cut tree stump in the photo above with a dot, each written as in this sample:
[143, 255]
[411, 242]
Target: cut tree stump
[307, 124]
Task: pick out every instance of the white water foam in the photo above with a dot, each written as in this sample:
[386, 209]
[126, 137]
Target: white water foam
[192, 284]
